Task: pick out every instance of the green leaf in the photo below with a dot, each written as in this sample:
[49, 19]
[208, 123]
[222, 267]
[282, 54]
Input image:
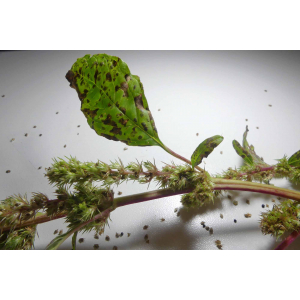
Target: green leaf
[242, 152]
[294, 160]
[74, 240]
[113, 100]
[247, 152]
[55, 243]
[205, 148]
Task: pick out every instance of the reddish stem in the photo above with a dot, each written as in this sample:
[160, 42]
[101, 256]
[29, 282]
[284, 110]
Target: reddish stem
[288, 241]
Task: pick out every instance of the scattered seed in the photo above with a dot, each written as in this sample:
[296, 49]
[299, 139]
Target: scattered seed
[146, 237]
[235, 202]
[3, 96]
[202, 223]
[265, 90]
[229, 197]
[40, 134]
[178, 214]
[197, 134]
[121, 234]
[175, 210]
[267, 205]
[57, 112]
[207, 228]
[247, 201]
[218, 242]
[273, 200]
[117, 235]
[39, 168]
[263, 206]
[34, 126]
[221, 152]
[81, 240]
[221, 216]
[270, 105]
[220, 247]
[12, 140]
[55, 231]
[159, 109]
[107, 238]
[60, 232]
[257, 127]
[247, 215]
[234, 220]
[145, 227]
[119, 193]
[278, 198]
[26, 134]
[65, 146]
[211, 231]
[77, 133]
[128, 234]
[8, 171]
[96, 246]
[147, 241]
[78, 126]
[203, 226]
[125, 148]
[162, 219]
[246, 120]
[96, 236]
[115, 248]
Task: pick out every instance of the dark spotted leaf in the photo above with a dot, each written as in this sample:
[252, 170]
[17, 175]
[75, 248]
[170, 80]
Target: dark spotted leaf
[242, 152]
[294, 160]
[113, 100]
[205, 148]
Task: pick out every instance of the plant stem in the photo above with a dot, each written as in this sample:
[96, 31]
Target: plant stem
[288, 241]
[261, 170]
[181, 157]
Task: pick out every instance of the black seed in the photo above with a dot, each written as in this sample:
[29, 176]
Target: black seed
[263, 206]
[8, 171]
[121, 234]
[234, 220]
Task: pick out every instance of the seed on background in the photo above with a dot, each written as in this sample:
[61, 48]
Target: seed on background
[78, 126]
[235, 203]
[229, 197]
[60, 232]
[57, 112]
[77, 133]
[247, 215]
[247, 201]
[81, 240]
[175, 210]
[211, 231]
[121, 234]
[107, 238]
[115, 248]
[273, 200]
[146, 227]
[197, 134]
[257, 127]
[207, 228]
[147, 241]
[162, 219]
[55, 231]
[267, 205]
[3, 96]
[125, 148]
[26, 134]
[117, 235]
[128, 234]
[65, 146]
[119, 193]
[96, 236]
[159, 109]
[146, 237]
[218, 242]
[221, 216]
[39, 168]
[220, 247]
[270, 105]
[40, 134]
[12, 140]
[96, 246]
[202, 223]
[8, 171]
[246, 120]
[34, 126]
[234, 220]
[263, 206]
[265, 90]
[178, 214]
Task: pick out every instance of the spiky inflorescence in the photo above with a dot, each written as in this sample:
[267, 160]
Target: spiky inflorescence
[282, 218]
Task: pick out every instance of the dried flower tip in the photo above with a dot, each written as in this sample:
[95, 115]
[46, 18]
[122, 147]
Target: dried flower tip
[220, 247]
[55, 231]
[96, 236]
[202, 223]
[221, 216]
[96, 246]
[81, 240]
[119, 193]
[26, 134]
[247, 201]
[273, 200]
[145, 227]
[162, 219]
[211, 231]
[235, 203]
[12, 140]
[115, 248]
[247, 215]
[146, 237]
[107, 238]
[267, 205]
[218, 242]
[229, 197]
[117, 235]
[60, 232]
[7, 171]
[128, 234]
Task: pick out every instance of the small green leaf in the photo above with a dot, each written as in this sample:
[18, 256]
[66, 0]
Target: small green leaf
[113, 100]
[74, 240]
[205, 148]
[294, 160]
[242, 152]
[56, 242]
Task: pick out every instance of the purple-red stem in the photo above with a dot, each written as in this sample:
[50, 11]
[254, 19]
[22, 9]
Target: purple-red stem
[290, 239]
